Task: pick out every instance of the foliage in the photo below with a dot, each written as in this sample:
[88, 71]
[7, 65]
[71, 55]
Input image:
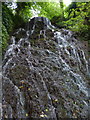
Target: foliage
[7, 18]
[23, 11]
[26, 13]
[5, 38]
[53, 11]
[49, 9]
[78, 18]
[75, 17]
[43, 9]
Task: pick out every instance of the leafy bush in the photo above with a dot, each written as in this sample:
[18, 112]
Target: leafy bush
[79, 19]
[7, 18]
[5, 37]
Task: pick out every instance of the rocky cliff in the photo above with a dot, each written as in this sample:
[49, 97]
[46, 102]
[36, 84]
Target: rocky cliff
[45, 74]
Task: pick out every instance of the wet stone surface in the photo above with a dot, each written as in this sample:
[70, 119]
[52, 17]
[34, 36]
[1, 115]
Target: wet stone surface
[45, 74]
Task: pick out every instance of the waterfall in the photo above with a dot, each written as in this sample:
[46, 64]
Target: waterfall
[45, 74]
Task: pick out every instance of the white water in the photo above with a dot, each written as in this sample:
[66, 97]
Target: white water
[63, 43]
[68, 58]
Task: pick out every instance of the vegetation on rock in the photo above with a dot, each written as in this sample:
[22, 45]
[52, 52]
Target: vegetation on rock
[75, 17]
[45, 68]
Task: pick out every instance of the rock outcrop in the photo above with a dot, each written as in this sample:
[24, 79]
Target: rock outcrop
[45, 74]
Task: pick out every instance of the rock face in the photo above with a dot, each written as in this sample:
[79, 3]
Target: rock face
[40, 23]
[45, 74]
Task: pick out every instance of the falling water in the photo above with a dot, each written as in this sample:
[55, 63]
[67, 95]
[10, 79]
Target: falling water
[45, 74]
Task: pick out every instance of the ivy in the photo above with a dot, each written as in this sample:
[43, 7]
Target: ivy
[5, 37]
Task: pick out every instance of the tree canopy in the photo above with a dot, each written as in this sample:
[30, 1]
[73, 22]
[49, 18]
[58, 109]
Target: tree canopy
[75, 17]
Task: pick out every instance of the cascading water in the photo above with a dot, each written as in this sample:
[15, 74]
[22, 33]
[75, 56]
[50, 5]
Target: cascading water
[45, 74]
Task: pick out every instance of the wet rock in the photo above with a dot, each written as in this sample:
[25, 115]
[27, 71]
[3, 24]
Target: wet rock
[39, 23]
[44, 74]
